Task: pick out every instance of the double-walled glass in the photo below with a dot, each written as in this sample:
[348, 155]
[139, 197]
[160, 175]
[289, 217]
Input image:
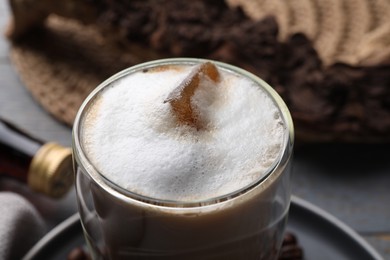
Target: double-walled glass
[246, 224]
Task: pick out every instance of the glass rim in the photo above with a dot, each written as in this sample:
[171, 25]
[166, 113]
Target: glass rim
[87, 166]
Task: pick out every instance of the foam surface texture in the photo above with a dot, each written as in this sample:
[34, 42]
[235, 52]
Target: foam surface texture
[132, 137]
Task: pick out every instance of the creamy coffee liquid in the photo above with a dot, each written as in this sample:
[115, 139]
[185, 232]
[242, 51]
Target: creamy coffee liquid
[134, 139]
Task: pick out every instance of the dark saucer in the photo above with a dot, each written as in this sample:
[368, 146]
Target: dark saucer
[321, 236]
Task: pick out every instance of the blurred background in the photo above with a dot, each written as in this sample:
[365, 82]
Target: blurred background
[349, 180]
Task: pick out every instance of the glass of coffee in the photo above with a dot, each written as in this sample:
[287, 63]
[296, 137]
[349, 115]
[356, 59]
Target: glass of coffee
[183, 159]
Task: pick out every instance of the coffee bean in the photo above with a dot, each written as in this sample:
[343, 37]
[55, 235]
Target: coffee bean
[290, 248]
[78, 253]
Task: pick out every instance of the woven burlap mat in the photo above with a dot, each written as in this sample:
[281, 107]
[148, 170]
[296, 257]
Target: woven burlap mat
[61, 64]
[351, 31]
[65, 61]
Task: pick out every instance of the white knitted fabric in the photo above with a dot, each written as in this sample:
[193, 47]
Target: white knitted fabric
[20, 226]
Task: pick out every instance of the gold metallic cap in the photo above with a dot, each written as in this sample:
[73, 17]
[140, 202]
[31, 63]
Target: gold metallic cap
[51, 171]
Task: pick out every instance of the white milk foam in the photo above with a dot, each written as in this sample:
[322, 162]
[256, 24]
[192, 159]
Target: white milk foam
[133, 139]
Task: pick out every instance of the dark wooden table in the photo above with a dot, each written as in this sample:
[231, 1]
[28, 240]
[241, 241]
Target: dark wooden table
[352, 182]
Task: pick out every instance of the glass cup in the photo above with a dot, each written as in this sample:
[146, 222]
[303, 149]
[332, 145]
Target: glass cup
[245, 224]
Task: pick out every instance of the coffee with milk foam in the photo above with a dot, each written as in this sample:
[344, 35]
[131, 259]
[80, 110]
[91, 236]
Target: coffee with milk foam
[133, 137]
